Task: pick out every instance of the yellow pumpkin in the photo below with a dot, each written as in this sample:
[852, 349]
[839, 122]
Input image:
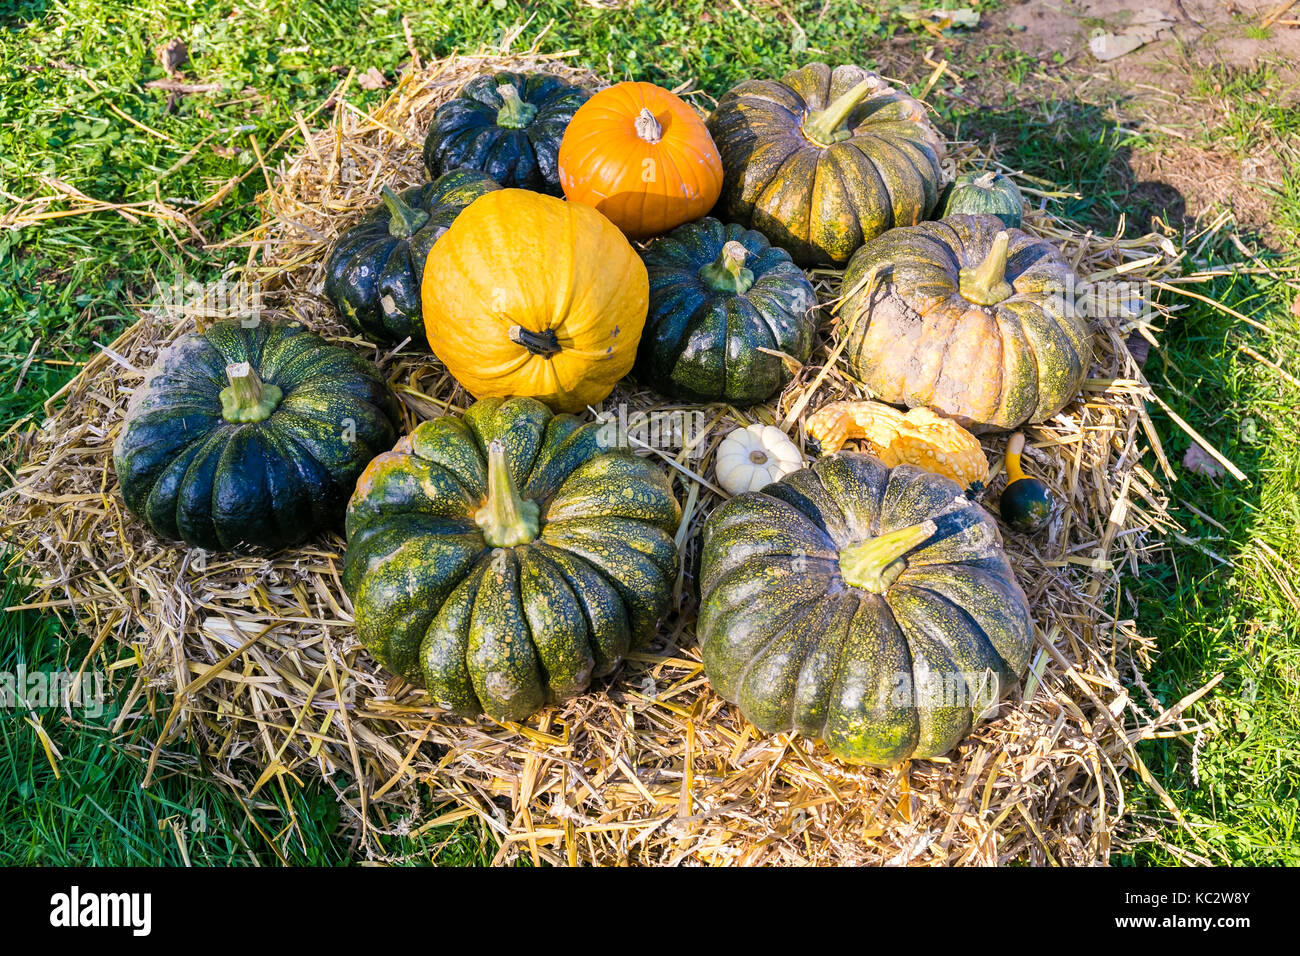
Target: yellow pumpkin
[529, 295]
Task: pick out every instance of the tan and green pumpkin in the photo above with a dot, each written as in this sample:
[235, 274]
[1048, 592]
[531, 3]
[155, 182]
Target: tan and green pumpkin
[968, 318]
[870, 607]
[824, 159]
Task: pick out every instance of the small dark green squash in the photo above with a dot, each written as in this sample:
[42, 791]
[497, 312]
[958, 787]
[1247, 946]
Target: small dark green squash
[986, 193]
[870, 607]
[507, 125]
[251, 437]
[719, 295]
[374, 270]
[503, 559]
[1026, 503]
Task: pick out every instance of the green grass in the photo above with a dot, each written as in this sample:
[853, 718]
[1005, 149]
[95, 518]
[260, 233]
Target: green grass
[69, 68]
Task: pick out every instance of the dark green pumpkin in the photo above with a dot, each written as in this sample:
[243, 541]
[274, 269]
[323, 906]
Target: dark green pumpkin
[822, 160]
[508, 125]
[987, 193]
[870, 607]
[504, 559]
[251, 436]
[374, 270]
[719, 294]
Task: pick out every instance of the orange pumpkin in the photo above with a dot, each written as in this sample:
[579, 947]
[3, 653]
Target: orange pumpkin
[529, 295]
[641, 156]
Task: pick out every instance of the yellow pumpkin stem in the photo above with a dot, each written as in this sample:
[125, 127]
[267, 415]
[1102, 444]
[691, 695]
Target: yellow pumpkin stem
[727, 273]
[986, 283]
[823, 126]
[247, 399]
[647, 127]
[1011, 462]
[515, 113]
[507, 519]
[876, 563]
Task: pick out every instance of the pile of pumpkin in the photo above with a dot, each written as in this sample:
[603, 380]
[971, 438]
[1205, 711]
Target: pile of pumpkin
[504, 558]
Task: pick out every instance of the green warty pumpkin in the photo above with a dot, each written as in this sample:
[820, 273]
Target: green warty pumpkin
[718, 295]
[870, 607]
[508, 125]
[374, 270]
[822, 160]
[503, 559]
[251, 436]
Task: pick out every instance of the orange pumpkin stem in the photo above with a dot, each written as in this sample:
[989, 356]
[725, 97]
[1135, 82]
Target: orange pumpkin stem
[515, 113]
[647, 127]
[823, 126]
[507, 518]
[1011, 461]
[727, 273]
[876, 563]
[986, 283]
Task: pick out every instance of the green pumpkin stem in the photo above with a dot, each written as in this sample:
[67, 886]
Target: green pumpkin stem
[515, 113]
[986, 283]
[727, 273]
[1011, 461]
[823, 126]
[404, 220]
[507, 519]
[247, 399]
[544, 343]
[647, 127]
[876, 563]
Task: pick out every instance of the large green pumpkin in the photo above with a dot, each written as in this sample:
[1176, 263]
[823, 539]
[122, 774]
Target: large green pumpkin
[374, 270]
[870, 607]
[503, 559]
[966, 317]
[251, 436]
[508, 125]
[822, 160]
[719, 294]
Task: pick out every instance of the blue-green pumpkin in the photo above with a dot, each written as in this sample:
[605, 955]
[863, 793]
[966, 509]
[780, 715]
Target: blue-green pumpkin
[720, 295]
[251, 436]
[374, 270]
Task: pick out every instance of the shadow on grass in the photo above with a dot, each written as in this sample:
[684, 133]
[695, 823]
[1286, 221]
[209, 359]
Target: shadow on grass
[1213, 604]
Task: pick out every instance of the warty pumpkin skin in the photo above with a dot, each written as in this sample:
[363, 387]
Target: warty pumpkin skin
[507, 125]
[968, 318]
[251, 437]
[503, 559]
[870, 607]
[642, 156]
[374, 270]
[822, 160]
[529, 295]
[718, 294]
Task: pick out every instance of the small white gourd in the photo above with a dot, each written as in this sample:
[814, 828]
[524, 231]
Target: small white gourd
[752, 457]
